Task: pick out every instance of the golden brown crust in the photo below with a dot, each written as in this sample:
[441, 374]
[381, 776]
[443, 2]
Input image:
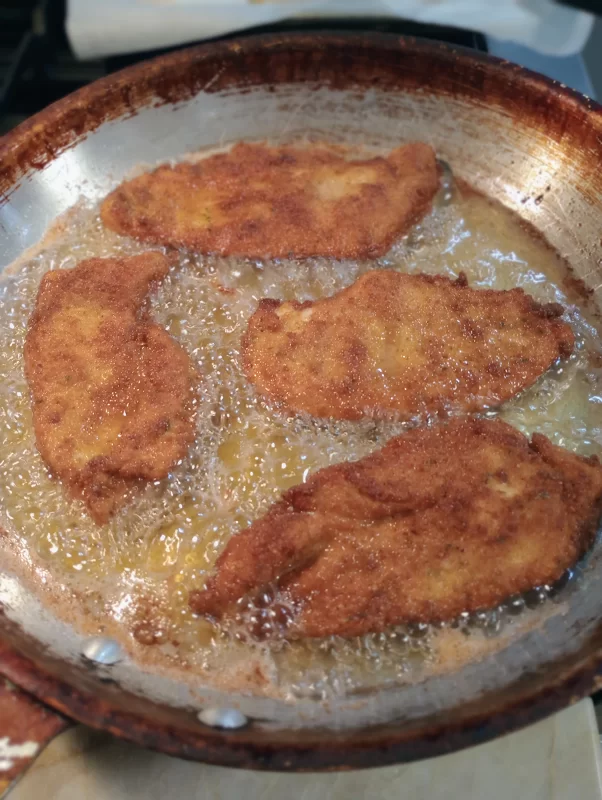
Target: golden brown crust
[112, 392]
[259, 201]
[441, 520]
[402, 344]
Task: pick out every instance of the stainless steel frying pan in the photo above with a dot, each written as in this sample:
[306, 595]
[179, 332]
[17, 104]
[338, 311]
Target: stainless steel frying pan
[520, 138]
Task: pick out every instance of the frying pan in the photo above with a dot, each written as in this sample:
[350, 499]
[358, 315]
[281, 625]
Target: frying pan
[526, 141]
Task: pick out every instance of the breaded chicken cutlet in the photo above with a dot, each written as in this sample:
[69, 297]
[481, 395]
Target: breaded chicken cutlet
[112, 391]
[402, 345]
[441, 520]
[259, 201]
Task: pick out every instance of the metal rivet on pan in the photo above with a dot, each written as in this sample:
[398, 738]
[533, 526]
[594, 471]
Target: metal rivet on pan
[229, 718]
[445, 193]
[102, 650]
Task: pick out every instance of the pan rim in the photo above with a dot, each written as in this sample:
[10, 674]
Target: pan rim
[83, 117]
[317, 750]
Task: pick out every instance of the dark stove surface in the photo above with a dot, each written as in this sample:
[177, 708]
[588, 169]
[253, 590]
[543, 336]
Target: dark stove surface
[37, 66]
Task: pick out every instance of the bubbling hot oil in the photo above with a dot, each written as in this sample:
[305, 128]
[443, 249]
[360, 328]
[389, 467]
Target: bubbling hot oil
[137, 570]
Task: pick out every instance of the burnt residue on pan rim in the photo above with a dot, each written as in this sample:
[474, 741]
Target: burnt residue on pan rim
[338, 61]
[178, 733]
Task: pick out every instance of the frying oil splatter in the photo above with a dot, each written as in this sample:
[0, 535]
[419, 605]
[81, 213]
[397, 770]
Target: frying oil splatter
[138, 569]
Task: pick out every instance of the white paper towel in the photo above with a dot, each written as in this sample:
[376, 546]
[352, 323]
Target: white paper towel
[99, 28]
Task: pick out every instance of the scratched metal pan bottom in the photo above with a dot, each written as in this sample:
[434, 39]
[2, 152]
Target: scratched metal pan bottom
[518, 138]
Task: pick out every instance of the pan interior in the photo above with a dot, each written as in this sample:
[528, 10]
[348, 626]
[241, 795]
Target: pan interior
[130, 579]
